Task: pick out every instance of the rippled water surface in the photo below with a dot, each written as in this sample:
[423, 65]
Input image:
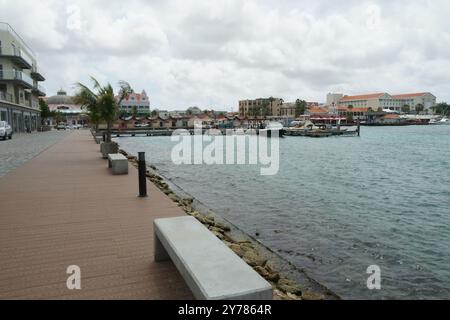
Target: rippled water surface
[339, 205]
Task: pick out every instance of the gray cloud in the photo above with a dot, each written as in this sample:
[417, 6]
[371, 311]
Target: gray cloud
[213, 53]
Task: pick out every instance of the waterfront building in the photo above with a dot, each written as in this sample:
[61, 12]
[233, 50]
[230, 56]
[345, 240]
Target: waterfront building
[316, 111]
[178, 113]
[412, 100]
[357, 114]
[19, 82]
[72, 113]
[255, 107]
[138, 103]
[161, 113]
[205, 120]
[276, 108]
[421, 102]
[287, 110]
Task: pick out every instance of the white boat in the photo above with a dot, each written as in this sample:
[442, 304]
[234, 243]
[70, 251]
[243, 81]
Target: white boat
[444, 121]
[440, 122]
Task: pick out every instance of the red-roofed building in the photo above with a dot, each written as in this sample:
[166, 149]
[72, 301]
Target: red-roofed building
[316, 110]
[383, 101]
[136, 101]
[360, 114]
[415, 100]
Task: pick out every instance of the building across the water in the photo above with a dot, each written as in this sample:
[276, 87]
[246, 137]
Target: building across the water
[19, 82]
[260, 107]
[413, 102]
[136, 103]
[72, 113]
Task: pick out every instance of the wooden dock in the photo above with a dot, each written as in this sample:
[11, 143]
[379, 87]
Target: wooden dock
[322, 133]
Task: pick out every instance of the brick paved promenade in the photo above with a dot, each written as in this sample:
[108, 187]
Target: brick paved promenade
[25, 146]
[64, 208]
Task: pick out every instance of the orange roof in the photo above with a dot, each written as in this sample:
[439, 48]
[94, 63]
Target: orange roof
[363, 97]
[317, 110]
[409, 95]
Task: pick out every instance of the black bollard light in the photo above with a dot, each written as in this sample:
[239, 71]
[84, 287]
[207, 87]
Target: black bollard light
[142, 175]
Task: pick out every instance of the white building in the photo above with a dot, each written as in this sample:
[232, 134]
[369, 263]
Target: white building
[64, 104]
[138, 103]
[19, 82]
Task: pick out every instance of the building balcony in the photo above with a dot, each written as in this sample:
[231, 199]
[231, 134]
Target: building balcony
[4, 96]
[22, 57]
[16, 77]
[19, 57]
[36, 74]
[39, 90]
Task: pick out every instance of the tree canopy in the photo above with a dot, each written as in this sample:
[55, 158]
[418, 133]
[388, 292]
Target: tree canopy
[102, 104]
[442, 109]
[300, 107]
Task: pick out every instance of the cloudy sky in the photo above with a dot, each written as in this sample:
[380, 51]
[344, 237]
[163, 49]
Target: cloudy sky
[213, 53]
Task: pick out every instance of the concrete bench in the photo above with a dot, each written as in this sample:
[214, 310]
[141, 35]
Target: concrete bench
[211, 270]
[118, 163]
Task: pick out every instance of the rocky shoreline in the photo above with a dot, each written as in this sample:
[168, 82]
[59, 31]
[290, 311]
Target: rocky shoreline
[260, 258]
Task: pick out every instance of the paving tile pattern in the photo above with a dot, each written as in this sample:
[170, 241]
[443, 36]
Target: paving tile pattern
[65, 208]
[23, 147]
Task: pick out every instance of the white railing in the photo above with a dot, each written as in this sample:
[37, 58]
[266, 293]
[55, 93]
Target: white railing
[16, 75]
[16, 52]
[36, 69]
[40, 88]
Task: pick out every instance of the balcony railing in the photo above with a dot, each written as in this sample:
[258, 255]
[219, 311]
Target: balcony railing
[20, 57]
[17, 76]
[40, 90]
[4, 96]
[36, 73]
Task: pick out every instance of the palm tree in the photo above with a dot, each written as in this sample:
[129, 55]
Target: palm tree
[134, 112]
[406, 108]
[102, 103]
[419, 108]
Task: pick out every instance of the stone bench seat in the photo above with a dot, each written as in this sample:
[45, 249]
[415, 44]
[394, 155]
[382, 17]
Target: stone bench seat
[118, 163]
[211, 270]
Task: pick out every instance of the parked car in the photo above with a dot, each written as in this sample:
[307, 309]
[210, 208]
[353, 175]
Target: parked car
[5, 130]
[61, 126]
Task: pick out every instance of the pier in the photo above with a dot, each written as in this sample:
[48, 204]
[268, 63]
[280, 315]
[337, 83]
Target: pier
[64, 208]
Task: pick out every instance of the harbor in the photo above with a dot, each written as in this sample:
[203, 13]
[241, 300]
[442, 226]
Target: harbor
[337, 204]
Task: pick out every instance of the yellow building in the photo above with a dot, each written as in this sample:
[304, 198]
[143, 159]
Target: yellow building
[256, 107]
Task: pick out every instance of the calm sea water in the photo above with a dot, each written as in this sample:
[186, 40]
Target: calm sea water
[339, 205]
